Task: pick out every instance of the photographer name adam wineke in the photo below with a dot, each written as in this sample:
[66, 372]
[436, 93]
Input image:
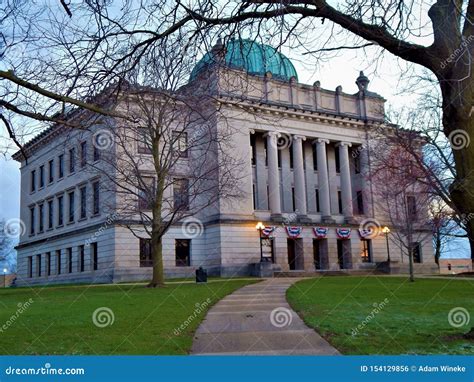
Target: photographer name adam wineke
[441, 369]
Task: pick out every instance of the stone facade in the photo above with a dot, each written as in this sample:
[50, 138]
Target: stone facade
[282, 130]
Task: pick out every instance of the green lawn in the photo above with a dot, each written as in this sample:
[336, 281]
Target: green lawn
[146, 321]
[353, 315]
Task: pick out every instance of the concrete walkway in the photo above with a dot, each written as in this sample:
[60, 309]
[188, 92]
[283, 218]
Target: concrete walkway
[257, 320]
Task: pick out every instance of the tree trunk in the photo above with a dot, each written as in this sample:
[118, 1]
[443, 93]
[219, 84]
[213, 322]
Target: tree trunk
[410, 259]
[437, 247]
[158, 279]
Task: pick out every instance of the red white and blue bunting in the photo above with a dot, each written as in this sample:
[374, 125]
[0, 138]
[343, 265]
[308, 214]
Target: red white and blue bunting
[343, 233]
[320, 232]
[267, 231]
[294, 232]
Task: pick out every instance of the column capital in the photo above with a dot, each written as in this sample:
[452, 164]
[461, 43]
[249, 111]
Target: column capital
[272, 134]
[296, 137]
[348, 144]
[321, 140]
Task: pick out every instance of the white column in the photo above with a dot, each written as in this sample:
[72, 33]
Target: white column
[273, 174]
[298, 169]
[323, 179]
[346, 186]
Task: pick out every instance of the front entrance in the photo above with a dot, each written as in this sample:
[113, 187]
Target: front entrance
[344, 254]
[320, 254]
[295, 254]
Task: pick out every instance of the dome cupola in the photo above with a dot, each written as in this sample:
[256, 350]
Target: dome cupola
[256, 59]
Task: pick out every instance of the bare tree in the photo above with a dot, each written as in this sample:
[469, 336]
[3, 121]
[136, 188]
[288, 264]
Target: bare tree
[175, 162]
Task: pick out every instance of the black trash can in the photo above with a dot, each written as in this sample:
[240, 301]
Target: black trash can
[201, 275]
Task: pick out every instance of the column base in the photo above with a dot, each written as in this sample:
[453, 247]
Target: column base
[276, 218]
[328, 219]
[303, 219]
[350, 220]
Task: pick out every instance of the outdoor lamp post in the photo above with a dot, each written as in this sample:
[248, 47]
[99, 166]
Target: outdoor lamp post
[386, 231]
[4, 277]
[260, 228]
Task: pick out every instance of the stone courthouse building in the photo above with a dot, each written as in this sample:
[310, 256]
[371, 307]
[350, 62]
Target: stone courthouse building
[305, 180]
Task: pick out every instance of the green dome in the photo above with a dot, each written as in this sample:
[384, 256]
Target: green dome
[254, 58]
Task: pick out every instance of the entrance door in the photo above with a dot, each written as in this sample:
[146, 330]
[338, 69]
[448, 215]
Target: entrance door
[320, 254]
[344, 254]
[295, 254]
[291, 254]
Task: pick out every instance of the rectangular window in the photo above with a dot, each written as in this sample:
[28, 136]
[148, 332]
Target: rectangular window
[318, 208]
[41, 217]
[41, 180]
[181, 194]
[30, 266]
[360, 203]
[180, 143]
[183, 254]
[58, 262]
[411, 208]
[338, 160]
[293, 199]
[50, 214]
[146, 193]
[48, 263]
[291, 157]
[69, 259]
[366, 251]
[51, 171]
[72, 160]
[356, 162]
[81, 258]
[96, 146]
[32, 220]
[146, 259]
[61, 166]
[38, 265]
[33, 181]
[144, 141]
[60, 210]
[95, 256]
[83, 153]
[83, 195]
[315, 157]
[95, 198]
[253, 150]
[416, 252]
[71, 207]
[339, 201]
